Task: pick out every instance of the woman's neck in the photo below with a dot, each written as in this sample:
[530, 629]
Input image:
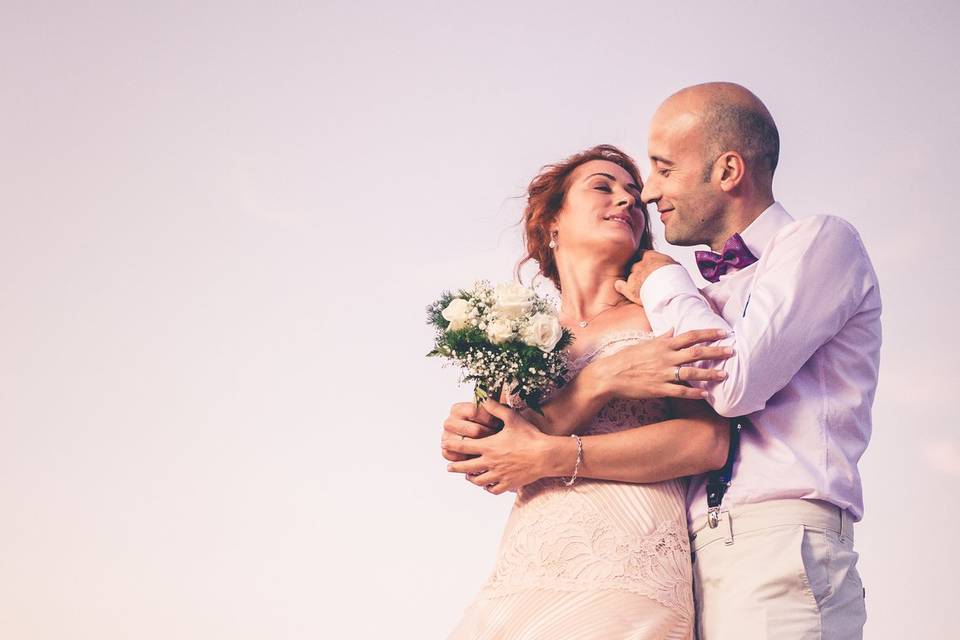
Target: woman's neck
[587, 289]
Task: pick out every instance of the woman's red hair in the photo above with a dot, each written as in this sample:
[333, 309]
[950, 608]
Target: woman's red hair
[545, 196]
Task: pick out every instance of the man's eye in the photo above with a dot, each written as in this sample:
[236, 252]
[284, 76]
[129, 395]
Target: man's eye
[665, 172]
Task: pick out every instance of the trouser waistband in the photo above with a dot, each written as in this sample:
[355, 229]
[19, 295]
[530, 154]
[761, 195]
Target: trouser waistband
[771, 513]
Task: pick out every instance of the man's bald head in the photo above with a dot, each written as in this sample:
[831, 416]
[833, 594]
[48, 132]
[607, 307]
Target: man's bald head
[713, 150]
[730, 118]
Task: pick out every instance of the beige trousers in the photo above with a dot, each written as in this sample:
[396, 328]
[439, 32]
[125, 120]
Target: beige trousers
[781, 569]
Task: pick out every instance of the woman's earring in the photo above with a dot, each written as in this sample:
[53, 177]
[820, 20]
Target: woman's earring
[553, 241]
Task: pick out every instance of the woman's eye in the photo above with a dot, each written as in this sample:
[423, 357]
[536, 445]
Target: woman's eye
[602, 187]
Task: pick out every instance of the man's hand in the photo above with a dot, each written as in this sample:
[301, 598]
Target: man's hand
[516, 456]
[466, 420]
[653, 368]
[641, 270]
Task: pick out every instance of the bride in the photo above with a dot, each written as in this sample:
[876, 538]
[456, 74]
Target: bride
[596, 545]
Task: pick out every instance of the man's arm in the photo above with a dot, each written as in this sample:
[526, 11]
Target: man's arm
[815, 277]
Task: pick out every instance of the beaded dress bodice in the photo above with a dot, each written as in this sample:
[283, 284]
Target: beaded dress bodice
[618, 414]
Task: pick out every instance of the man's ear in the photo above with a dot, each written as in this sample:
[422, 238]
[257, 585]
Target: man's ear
[733, 170]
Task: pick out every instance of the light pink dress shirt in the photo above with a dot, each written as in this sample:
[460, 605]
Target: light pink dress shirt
[805, 323]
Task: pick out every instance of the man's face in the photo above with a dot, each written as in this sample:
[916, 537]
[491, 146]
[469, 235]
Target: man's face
[690, 207]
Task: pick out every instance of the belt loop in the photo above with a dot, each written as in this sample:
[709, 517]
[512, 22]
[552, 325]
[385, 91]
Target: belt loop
[729, 520]
[846, 525]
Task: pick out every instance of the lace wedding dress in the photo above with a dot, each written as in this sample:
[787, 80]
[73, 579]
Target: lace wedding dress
[598, 560]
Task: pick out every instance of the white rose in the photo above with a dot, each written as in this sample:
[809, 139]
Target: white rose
[457, 313]
[512, 300]
[544, 331]
[499, 330]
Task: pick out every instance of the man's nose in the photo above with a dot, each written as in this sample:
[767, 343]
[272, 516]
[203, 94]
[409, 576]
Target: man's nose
[649, 193]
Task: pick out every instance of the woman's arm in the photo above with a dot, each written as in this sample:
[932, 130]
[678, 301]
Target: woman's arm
[650, 368]
[653, 361]
[694, 442]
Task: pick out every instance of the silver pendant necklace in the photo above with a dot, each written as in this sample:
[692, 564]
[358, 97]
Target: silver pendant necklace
[583, 323]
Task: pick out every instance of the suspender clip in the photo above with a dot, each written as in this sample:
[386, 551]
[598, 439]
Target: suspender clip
[713, 517]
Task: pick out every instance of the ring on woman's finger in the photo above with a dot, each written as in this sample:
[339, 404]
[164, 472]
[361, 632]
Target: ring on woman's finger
[676, 375]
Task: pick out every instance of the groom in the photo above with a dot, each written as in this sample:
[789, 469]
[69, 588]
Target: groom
[802, 305]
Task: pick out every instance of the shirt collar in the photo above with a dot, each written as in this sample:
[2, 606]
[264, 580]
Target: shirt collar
[761, 231]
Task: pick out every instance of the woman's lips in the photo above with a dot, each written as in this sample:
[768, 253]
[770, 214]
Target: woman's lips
[620, 219]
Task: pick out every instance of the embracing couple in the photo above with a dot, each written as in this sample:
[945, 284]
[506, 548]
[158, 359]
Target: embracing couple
[697, 475]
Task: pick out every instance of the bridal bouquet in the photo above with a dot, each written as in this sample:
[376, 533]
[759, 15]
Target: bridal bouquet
[501, 336]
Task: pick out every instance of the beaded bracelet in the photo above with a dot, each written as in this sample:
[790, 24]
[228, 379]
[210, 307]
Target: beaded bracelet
[576, 467]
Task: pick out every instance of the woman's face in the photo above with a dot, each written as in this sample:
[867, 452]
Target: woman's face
[600, 213]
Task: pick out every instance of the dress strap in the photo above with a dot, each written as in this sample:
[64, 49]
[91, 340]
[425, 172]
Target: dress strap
[605, 341]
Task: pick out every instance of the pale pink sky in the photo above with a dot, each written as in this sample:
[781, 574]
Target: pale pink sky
[221, 223]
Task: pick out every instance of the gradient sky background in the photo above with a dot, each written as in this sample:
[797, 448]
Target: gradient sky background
[221, 222]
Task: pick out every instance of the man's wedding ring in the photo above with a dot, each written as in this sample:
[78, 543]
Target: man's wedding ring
[676, 375]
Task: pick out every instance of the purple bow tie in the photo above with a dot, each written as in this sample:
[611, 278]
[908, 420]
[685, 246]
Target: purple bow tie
[735, 254]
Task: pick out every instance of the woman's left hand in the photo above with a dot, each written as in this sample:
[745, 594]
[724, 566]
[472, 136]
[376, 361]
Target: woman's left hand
[516, 456]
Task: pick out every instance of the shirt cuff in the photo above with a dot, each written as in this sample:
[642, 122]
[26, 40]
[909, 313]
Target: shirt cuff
[665, 283]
